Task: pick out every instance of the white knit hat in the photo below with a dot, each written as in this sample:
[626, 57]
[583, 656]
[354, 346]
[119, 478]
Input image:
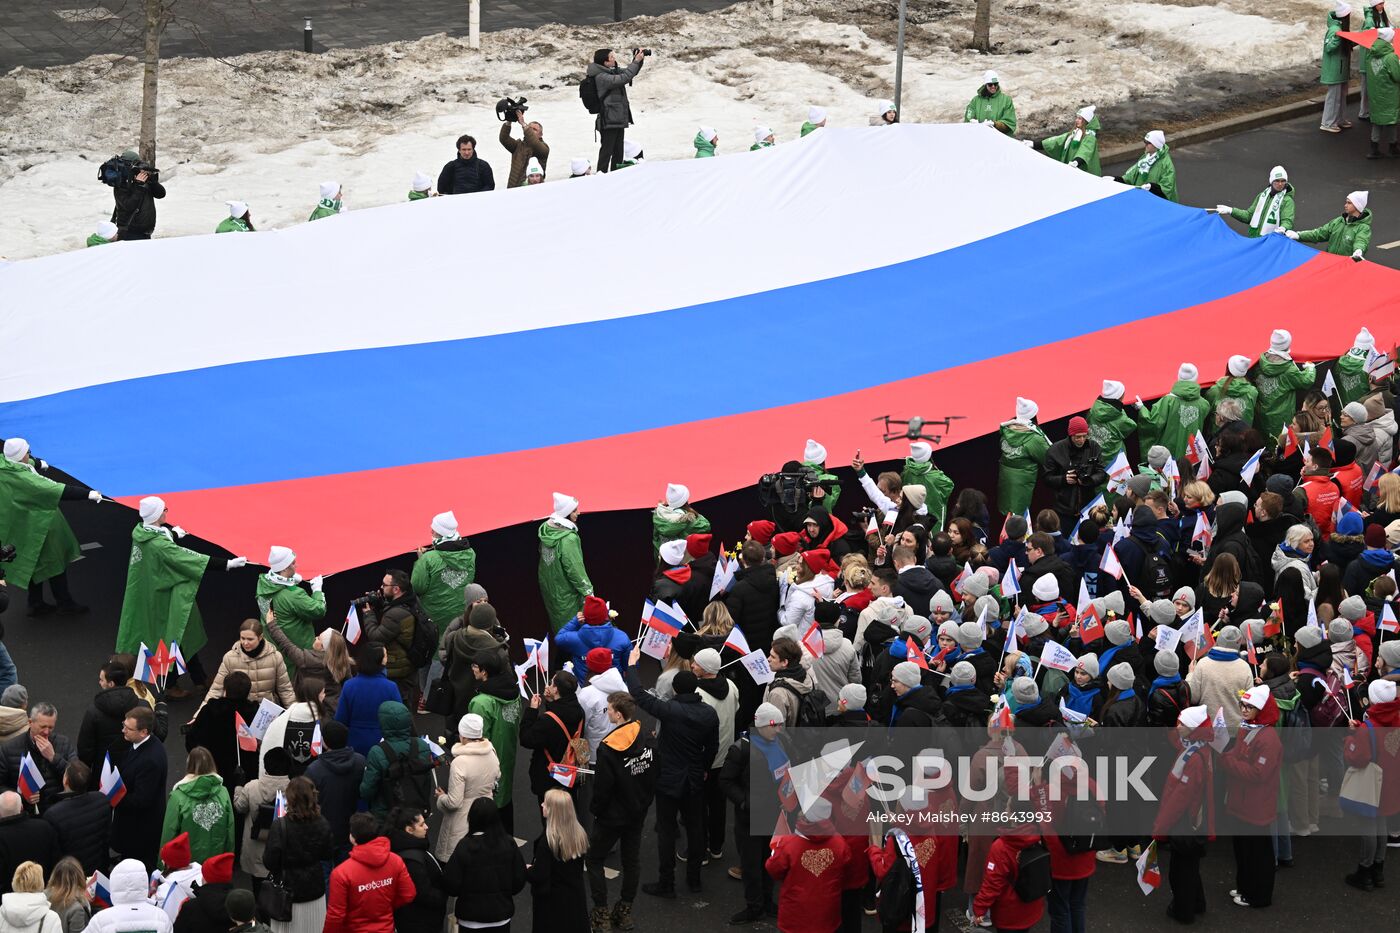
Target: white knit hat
[631, 149]
[280, 558]
[151, 508]
[1278, 173]
[329, 190]
[1238, 365]
[1281, 341]
[1156, 138]
[471, 726]
[1358, 199]
[564, 506]
[1364, 340]
[814, 452]
[422, 181]
[1193, 717]
[767, 715]
[534, 168]
[1112, 389]
[1256, 696]
[676, 495]
[1086, 112]
[444, 524]
[885, 107]
[1341, 9]
[1026, 410]
[107, 230]
[990, 77]
[1387, 33]
[236, 209]
[815, 114]
[578, 167]
[920, 452]
[1046, 587]
[673, 552]
[907, 673]
[15, 449]
[1381, 691]
[708, 133]
[1187, 372]
[760, 133]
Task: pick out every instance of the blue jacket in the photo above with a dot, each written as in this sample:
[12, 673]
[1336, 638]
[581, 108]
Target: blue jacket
[358, 709]
[1002, 554]
[577, 639]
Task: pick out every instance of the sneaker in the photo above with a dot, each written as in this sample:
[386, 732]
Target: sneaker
[1345, 124]
[1330, 129]
[658, 889]
[714, 857]
[1393, 841]
[985, 923]
[1239, 901]
[1135, 853]
[1314, 829]
[747, 915]
[736, 872]
[1112, 856]
[1304, 831]
[680, 856]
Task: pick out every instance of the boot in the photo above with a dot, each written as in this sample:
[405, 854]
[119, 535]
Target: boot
[1375, 152]
[660, 889]
[1360, 879]
[1395, 150]
[1378, 874]
[600, 921]
[622, 915]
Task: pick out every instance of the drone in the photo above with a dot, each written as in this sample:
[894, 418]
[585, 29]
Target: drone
[914, 428]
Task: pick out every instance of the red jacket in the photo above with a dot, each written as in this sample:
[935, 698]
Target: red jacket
[937, 857]
[1322, 496]
[1183, 797]
[1351, 480]
[1064, 865]
[1384, 719]
[998, 891]
[366, 889]
[1252, 770]
[814, 871]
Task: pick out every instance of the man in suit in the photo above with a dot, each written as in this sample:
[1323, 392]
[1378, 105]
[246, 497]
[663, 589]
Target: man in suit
[137, 820]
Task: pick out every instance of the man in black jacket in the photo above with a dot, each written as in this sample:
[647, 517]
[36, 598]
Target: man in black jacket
[549, 729]
[25, 838]
[134, 210]
[49, 751]
[82, 819]
[1040, 551]
[102, 723]
[753, 840]
[623, 785]
[1074, 469]
[136, 821]
[916, 583]
[467, 173]
[752, 600]
[408, 839]
[914, 704]
[688, 745]
[337, 773]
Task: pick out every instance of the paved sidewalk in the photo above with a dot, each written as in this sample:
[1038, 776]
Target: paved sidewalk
[40, 33]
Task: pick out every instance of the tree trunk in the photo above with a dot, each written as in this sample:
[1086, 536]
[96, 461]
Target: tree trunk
[155, 24]
[982, 27]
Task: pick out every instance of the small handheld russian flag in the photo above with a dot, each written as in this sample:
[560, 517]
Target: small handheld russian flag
[352, 625]
[177, 659]
[111, 784]
[279, 806]
[99, 890]
[246, 740]
[31, 781]
[143, 671]
[737, 641]
[317, 745]
[664, 621]
[1011, 582]
[564, 774]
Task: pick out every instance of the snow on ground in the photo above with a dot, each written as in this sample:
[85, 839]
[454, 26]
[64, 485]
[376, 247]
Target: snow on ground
[267, 128]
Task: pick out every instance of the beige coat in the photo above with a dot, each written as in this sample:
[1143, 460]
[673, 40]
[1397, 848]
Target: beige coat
[475, 771]
[247, 799]
[12, 722]
[267, 671]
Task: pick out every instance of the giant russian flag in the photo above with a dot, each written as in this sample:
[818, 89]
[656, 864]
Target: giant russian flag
[334, 385]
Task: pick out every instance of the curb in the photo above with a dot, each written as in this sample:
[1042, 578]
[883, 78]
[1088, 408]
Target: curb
[1229, 127]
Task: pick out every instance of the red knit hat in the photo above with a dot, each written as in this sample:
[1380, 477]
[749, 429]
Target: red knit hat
[819, 559]
[762, 531]
[595, 610]
[176, 853]
[217, 869]
[1375, 536]
[698, 545]
[786, 543]
[598, 660]
[1077, 425]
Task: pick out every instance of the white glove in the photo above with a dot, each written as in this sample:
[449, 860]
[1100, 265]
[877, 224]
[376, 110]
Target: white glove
[1291, 234]
[1146, 187]
[1222, 209]
[42, 464]
[1356, 256]
[235, 562]
[178, 531]
[1137, 400]
[1028, 143]
[316, 583]
[94, 495]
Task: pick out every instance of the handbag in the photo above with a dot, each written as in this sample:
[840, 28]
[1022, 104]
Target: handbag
[441, 698]
[1361, 787]
[274, 901]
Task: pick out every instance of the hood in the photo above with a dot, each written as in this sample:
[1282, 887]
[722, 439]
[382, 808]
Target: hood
[501, 686]
[829, 528]
[1186, 389]
[400, 841]
[624, 736]
[130, 883]
[1364, 219]
[717, 687]
[703, 144]
[1269, 714]
[820, 586]
[373, 853]
[201, 787]
[919, 579]
[1382, 714]
[833, 639]
[1271, 365]
[1319, 655]
[23, 910]
[115, 702]
[1281, 560]
[395, 721]
[608, 682]
[595, 69]
[877, 632]
[799, 680]
[1229, 518]
[552, 534]
[338, 761]
[1378, 557]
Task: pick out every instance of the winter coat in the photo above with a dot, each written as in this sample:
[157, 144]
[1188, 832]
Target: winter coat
[425, 913]
[996, 108]
[593, 700]
[937, 857]
[668, 524]
[521, 152]
[615, 112]
[722, 695]
[917, 708]
[265, 668]
[624, 779]
[473, 774]
[814, 871]
[1175, 418]
[358, 708]
[1109, 427]
[102, 725]
[704, 148]
[937, 485]
[997, 897]
[25, 838]
[294, 853]
[563, 581]
[550, 741]
[1088, 464]
[83, 822]
[1231, 539]
[576, 639]
[1251, 767]
[298, 611]
[392, 626]
[462, 647]
[1156, 170]
[307, 662]
[1322, 495]
[485, 873]
[1364, 437]
[1372, 563]
[1336, 53]
[130, 910]
[1023, 451]
[689, 739]
[1052, 566]
[337, 773]
[134, 210]
[1344, 235]
[136, 820]
[787, 689]
[247, 800]
[836, 668]
[466, 176]
[201, 807]
[557, 892]
[396, 725]
[1217, 683]
[498, 704]
[1349, 373]
[1382, 719]
[1183, 810]
[1079, 148]
[1236, 388]
[1266, 225]
[752, 601]
[800, 607]
[12, 752]
[916, 585]
[1278, 380]
[366, 889]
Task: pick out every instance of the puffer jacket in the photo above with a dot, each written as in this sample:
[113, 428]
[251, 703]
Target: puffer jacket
[839, 665]
[787, 689]
[295, 850]
[593, 700]
[1364, 437]
[801, 604]
[102, 725]
[27, 913]
[393, 628]
[83, 822]
[130, 911]
[264, 667]
[1382, 421]
[337, 773]
[616, 112]
[576, 639]
[473, 775]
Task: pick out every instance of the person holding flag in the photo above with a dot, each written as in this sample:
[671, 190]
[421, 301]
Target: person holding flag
[1271, 210]
[298, 612]
[440, 577]
[563, 580]
[199, 806]
[1023, 450]
[1109, 425]
[920, 470]
[674, 518]
[1236, 385]
[1186, 816]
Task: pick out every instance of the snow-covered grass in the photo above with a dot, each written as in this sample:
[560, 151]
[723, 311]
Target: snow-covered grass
[266, 128]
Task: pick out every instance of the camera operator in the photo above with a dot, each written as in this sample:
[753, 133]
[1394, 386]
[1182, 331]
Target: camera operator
[522, 150]
[135, 210]
[466, 174]
[615, 114]
[1074, 469]
[390, 615]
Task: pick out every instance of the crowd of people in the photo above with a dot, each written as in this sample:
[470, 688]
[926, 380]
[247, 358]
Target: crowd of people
[1259, 527]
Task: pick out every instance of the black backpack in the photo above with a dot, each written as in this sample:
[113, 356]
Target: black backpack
[1156, 574]
[408, 782]
[1295, 724]
[588, 93]
[425, 635]
[1083, 826]
[1033, 873]
[894, 898]
[811, 706]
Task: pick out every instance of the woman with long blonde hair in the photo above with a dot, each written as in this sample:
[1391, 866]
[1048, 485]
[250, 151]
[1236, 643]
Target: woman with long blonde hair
[556, 874]
[67, 894]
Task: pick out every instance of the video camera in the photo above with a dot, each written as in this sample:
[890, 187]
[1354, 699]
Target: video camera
[791, 490]
[507, 106]
[117, 172]
[7, 553]
[646, 53]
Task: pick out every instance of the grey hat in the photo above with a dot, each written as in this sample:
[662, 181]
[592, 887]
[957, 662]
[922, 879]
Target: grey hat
[1233, 495]
[1121, 675]
[1166, 663]
[970, 635]
[988, 603]
[964, 674]
[1117, 632]
[1253, 630]
[854, 695]
[1161, 612]
[941, 600]
[708, 660]
[1338, 631]
[473, 592]
[1034, 625]
[1139, 485]
[1090, 663]
[130, 155]
[1229, 638]
[1157, 456]
[976, 586]
[1310, 636]
[907, 673]
[1352, 608]
[1113, 602]
[1389, 653]
[1186, 594]
[1024, 691]
[1100, 607]
[949, 628]
[1280, 483]
[919, 627]
[15, 697]
[1356, 412]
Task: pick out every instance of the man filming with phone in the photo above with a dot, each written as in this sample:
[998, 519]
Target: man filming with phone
[614, 112]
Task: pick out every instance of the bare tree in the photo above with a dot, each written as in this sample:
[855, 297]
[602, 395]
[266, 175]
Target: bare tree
[982, 27]
[156, 17]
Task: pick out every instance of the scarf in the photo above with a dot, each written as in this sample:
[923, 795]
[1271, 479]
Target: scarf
[1145, 163]
[1128, 694]
[280, 580]
[1164, 682]
[256, 651]
[1106, 659]
[958, 689]
[911, 858]
[1295, 553]
[1081, 701]
[1223, 654]
[329, 205]
[1266, 210]
[772, 752]
[170, 536]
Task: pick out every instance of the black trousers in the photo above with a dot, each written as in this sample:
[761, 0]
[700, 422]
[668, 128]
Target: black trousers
[1184, 882]
[1254, 869]
[610, 149]
[58, 583]
[753, 854]
[600, 842]
[716, 811]
[690, 809]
